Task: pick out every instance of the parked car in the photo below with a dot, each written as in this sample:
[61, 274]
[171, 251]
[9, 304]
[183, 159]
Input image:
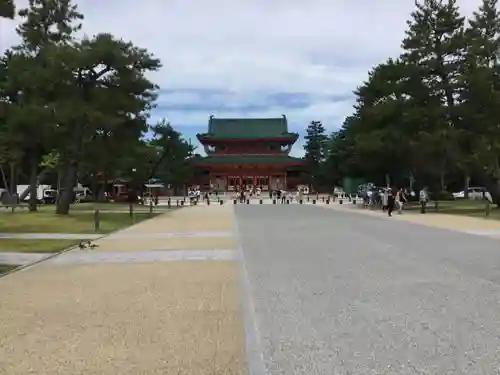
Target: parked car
[475, 193]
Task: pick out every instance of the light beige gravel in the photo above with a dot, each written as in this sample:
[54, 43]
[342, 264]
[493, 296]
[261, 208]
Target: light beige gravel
[173, 243]
[189, 219]
[456, 222]
[445, 221]
[141, 319]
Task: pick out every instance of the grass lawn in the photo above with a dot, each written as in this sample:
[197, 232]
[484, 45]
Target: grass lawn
[6, 267]
[35, 245]
[467, 207]
[49, 222]
[103, 207]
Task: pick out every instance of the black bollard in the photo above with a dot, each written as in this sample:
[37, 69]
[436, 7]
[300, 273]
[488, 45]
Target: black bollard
[314, 201]
[300, 201]
[260, 201]
[182, 203]
[341, 201]
[308, 198]
[248, 201]
[221, 202]
[328, 201]
[97, 220]
[287, 201]
[235, 201]
[354, 201]
[274, 201]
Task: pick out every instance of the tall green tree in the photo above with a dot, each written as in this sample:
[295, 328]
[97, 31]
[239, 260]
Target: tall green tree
[480, 95]
[174, 165]
[7, 9]
[46, 26]
[315, 149]
[96, 71]
[434, 47]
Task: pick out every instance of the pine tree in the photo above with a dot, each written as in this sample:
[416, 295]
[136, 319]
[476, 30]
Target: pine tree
[480, 95]
[7, 9]
[316, 149]
[434, 47]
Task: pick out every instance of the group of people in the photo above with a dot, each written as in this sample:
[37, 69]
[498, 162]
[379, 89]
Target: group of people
[279, 195]
[194, 195]
[391, 200]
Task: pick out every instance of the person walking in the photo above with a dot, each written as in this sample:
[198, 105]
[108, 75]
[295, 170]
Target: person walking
[385, 199]
[400, 199]
[390, 202]
[423, 197]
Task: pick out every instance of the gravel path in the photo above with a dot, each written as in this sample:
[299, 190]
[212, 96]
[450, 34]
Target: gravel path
[147, 312]
[15, 259]
[132, 319]
[342, 293]
[95, 257]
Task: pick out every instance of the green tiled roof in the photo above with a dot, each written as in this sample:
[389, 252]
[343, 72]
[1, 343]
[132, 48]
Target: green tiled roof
[250, 159]
[248, 128]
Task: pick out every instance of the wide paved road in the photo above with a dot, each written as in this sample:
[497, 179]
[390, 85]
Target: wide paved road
[347, 293]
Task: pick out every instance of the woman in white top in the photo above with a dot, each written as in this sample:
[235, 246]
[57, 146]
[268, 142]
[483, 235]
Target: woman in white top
[385, 199]
[399, 201]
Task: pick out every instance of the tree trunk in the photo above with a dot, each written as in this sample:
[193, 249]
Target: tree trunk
[58, 183]
[492, 183]
[466, 186]
[4, 179]
[442, 181]
[71, 175]
[69, 182]
[13, 179]
[101, 188]
[95, 188]
[42, 174]
[33, 201]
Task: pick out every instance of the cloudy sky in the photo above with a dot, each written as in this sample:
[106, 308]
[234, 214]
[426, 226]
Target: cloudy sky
[254, 58]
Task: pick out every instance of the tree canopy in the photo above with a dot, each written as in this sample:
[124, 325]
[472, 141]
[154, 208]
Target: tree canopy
[432, 113]
[7, 9]
[78, 107]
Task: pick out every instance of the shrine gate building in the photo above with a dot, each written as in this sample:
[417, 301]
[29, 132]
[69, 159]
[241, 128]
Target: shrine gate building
[249, 153]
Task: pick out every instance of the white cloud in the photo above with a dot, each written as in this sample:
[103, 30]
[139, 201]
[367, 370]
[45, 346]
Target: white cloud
[319, 47]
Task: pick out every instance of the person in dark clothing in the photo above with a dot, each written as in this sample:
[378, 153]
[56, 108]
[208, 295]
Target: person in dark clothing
[390, 202]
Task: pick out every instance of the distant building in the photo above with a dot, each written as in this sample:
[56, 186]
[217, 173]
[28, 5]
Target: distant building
[246, 153]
